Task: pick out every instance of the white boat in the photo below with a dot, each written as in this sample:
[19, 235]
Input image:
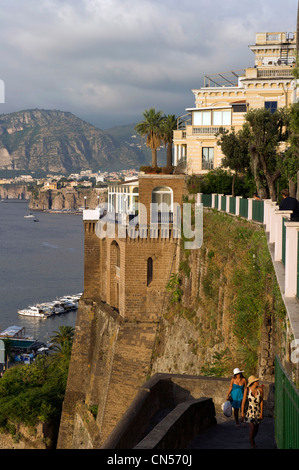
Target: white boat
[54, 307]
[29, 215]
[34, 311]
[69, 305]
[58, 308]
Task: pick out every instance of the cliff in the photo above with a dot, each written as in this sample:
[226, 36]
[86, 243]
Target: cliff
[14, 191]
[57, 141]
[67, 199]
[231, 313]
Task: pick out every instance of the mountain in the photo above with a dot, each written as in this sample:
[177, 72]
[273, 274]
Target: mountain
[60, 142]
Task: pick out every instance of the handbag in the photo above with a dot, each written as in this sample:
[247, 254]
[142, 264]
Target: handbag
[227, 409]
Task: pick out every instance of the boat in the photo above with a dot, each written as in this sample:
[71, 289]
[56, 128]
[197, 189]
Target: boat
[69, 304]
[47, 309]
[35, 311]
[29, 215]
[55, 307]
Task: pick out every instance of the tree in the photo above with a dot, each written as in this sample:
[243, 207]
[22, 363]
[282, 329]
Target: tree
[151, 127]
[169, 124]
[64, 333]
[290, 168]
[234, 146]
[267, 132]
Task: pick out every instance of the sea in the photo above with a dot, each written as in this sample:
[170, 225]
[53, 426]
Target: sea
[39, 262]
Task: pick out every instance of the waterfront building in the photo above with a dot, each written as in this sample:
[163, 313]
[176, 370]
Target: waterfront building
[225, 99]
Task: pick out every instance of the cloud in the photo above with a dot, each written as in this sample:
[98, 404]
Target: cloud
[107, 60]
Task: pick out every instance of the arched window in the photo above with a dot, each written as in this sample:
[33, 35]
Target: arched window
[149, 271]
[162, 195]
[162, 200]
[115, 254]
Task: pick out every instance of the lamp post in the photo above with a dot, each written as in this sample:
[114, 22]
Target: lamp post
[85, 197]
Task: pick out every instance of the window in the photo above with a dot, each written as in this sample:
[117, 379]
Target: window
[162, 195]
[115, 254]
[219, 117]
[271, 105]
[149, 271]
[197, 118]
[162, 205]
[207, 158]
[226, 118]
[240, 108]
[206, 118]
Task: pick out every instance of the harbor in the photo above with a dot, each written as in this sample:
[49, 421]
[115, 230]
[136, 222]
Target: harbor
[23, 348]
[48, 309]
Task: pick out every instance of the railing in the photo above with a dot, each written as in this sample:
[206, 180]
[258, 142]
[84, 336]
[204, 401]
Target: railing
[298, 267]
[286, 410]
[274, 73]
[207, 200]
[258, 211]
[283, 232]
[223, 203]
[162, 218]
[207, 130]
[244, 208]
[232, 205]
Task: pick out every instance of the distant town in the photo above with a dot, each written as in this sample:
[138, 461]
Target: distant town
[86, 178]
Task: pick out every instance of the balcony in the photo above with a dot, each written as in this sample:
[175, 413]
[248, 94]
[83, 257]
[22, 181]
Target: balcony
[273, 73]
[208, 130]
[162, 218]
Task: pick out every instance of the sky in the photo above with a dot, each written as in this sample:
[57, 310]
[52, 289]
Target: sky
[106, 61]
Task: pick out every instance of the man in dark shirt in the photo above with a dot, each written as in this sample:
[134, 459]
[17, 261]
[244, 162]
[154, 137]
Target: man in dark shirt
[289, 204]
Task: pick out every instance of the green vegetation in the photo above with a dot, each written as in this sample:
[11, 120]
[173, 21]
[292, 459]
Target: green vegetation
[221, 181]
[174, 286]
[266, 148]
[240, 268]
[237, 294]
[30, 394]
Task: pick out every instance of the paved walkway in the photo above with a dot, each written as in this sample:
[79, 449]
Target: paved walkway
[226, 435]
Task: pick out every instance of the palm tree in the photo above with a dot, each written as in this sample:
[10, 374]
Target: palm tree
[169, 124]
[63, 350]
[64, 334]
[151, 127]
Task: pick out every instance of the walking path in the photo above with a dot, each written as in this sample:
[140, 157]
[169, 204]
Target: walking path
[226, 435]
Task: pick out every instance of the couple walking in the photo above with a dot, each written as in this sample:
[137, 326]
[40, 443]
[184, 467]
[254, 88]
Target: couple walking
[249, 398]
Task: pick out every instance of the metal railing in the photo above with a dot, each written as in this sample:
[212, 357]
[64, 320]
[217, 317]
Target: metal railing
[258, 211]
[244, 208]
[232, 205]
[286, 410]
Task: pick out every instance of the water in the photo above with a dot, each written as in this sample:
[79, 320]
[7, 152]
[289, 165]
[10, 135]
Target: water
[39, 261]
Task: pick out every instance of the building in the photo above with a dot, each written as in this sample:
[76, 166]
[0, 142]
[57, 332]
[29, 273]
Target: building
[225, 99]
[126, 271]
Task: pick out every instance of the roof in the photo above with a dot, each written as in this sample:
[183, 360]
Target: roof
[12, 331]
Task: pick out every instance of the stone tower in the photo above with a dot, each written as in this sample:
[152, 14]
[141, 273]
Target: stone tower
[126, 269]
